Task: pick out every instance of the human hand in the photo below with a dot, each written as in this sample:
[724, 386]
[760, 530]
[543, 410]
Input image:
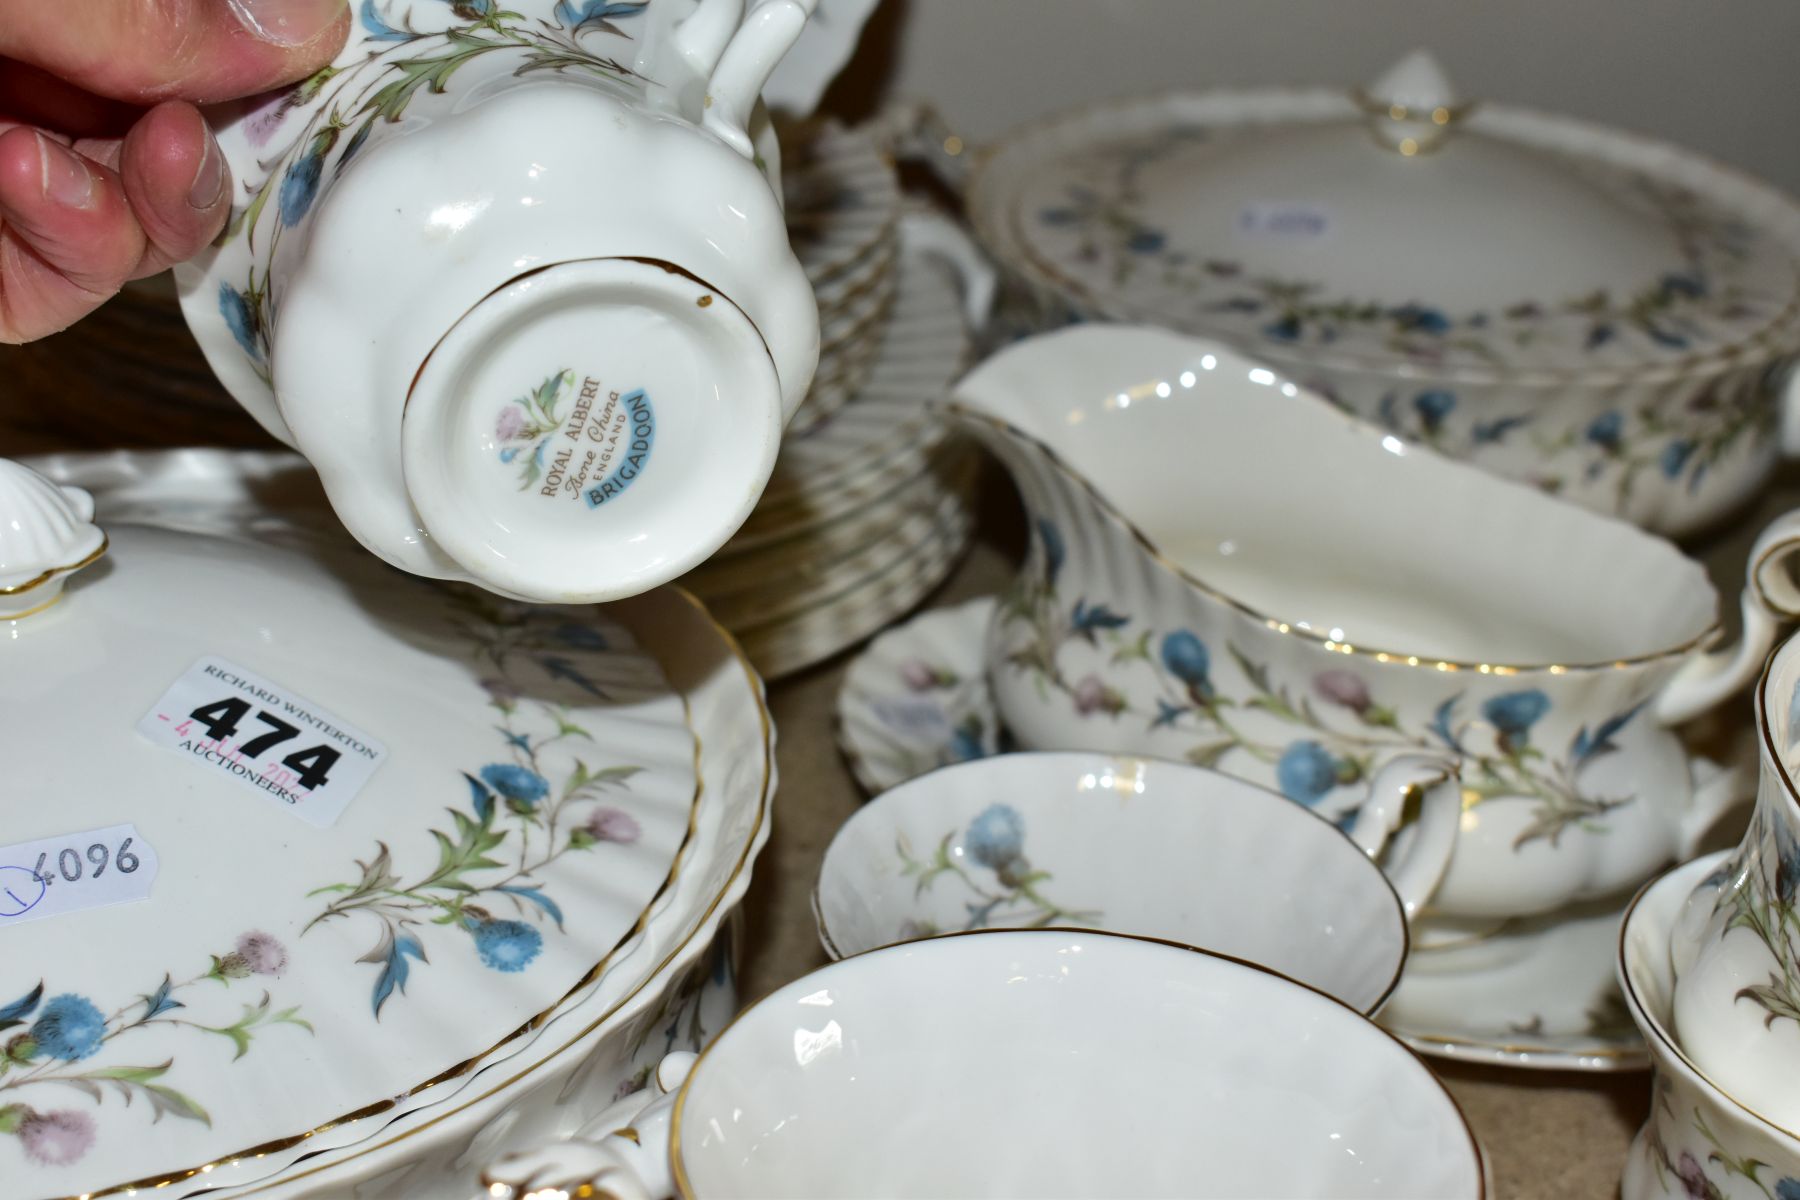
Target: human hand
[107, 171]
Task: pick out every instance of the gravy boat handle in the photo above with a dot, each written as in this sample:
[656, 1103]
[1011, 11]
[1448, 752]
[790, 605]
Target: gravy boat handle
[624, 1153]
[1411, 818]
[1770, 600]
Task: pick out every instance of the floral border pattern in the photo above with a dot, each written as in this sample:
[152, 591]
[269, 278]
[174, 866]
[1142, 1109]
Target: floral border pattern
[517, 824]
[377, 92]
[1317, 756]
[69, 1028]
[1103, 208]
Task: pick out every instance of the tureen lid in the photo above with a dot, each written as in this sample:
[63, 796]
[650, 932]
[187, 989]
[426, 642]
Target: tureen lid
[1399, 226]
[289, 835]
[46, 532]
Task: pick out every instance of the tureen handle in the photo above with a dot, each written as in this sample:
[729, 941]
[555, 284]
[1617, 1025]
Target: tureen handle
[748, 60]
[1409, 823]
[47, 533]
[622, 1154]
[1411, 109]
[1771, 599]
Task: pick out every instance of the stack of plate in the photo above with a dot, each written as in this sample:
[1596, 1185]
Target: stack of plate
[843, 213]
[869, 506]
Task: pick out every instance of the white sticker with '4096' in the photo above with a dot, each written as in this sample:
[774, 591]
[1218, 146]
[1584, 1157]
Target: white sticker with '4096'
[228, 719]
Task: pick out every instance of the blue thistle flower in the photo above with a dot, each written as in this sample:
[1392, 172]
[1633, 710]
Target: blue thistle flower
[1433, 407]
[520, 785]
[506, 945]
[597, 14]
[1307, 772]
[577, 636]
[1146, 241]
[996, 838]
[1607, 429]
[1418, 317]
[1051, 537]
[241, 319]
[1514, 713]
[1186, 658]
[69, 1027]
[1287, 329]
[300, 185]
[1675, 457]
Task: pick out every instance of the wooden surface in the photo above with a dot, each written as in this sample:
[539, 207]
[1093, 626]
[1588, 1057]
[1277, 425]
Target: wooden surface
[130, 377]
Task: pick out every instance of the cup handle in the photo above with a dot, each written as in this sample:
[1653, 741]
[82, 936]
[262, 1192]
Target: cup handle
[1718, 789]
[1412, 790]
[937, 236]
[703, 34]
[746, 63]
[1770, 600]
[622, 1154]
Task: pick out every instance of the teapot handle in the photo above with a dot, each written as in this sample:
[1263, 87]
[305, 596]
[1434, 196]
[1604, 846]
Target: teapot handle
[1425, 794]
[1771, 599]
[703, 34]
[621, 1154]
[746, 63]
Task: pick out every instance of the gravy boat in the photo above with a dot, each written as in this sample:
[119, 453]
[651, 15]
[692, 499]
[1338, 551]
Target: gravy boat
[1226, 569]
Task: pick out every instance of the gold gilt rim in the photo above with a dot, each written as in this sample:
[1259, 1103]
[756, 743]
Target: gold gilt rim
[36, 581]
[1655, 1032]
[1389, 657]
[767, 729]
[168, 1178]
[1375, 1005]
[1616, 1058]
[997, 228]
[684, 1189]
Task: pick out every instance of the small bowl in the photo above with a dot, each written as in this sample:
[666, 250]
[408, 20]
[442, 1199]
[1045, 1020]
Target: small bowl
[1051, 1063]
[1125, 845]
[1699, 1139]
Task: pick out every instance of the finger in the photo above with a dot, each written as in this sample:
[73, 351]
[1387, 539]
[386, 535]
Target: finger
[176, 181]
[143, 51]
[33, 96]
[68, 238]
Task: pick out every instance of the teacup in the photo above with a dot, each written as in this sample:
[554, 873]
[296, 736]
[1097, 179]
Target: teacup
[1700, 1139]
[1038, 1063]
[518, 284]
[1226, 569]
[1129, 845]
[1736, 947]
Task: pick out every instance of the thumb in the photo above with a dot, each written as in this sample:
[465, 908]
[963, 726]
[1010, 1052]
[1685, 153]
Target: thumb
[145, 51]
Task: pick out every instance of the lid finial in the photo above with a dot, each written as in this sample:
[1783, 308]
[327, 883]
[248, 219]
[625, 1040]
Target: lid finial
[46, 533]
[1411, 107]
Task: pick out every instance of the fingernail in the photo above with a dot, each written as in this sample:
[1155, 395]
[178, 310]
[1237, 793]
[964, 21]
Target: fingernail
[63, 176]
[287, 22]
[209, 178]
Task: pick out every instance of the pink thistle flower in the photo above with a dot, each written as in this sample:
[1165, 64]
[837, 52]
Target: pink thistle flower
[613, 825]
[262, 953]
[56, 1139]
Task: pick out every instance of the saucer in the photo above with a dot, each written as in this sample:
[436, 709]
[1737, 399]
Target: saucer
[1535, 992]
[1538, 992]
[917, 699]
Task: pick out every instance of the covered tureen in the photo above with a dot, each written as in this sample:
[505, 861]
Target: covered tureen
[1608, 317]
[297, 847]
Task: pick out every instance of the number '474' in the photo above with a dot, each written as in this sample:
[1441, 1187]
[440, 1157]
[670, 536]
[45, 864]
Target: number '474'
[312, 765]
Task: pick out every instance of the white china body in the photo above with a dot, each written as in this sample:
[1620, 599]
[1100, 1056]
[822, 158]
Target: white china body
[1225, 569]
[1701, 1138]
[1736, 947]
[1592, 312]
[447, 189]
[1125, 845]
